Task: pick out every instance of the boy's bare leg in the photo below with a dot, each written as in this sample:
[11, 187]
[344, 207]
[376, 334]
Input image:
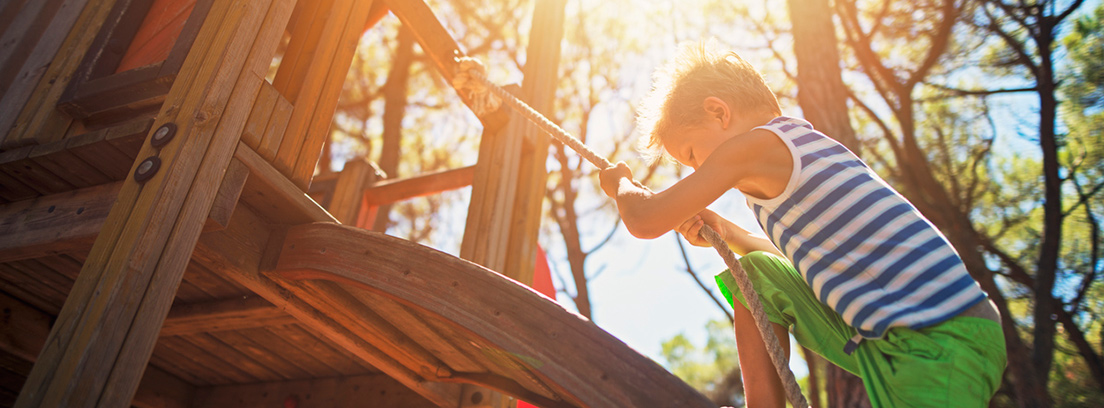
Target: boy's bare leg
[762, 387]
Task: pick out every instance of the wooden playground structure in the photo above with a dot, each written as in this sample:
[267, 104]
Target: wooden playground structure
[164, 243]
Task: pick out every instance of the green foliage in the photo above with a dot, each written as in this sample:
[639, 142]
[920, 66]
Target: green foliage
[706, 367]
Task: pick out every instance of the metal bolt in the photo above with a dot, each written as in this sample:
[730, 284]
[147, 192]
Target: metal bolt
[146, 169]
[163, 135]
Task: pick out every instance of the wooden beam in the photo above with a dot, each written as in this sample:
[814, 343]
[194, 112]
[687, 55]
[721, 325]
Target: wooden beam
[392, 191]
[273, 195]
[28, 103]
[106, 330]
[348, 194]
[71, 221]
[54, 224]
[23, 332]
[246, 312]
[237, 251]
[578, 362]
[376, 390]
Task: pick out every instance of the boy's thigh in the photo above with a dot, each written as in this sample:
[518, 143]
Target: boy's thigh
[958, 363]
[790, 302]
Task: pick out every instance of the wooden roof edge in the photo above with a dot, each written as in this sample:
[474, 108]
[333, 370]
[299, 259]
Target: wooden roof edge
[565, 349]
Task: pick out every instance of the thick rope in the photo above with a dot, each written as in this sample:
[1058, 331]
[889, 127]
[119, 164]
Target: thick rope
[774, 348]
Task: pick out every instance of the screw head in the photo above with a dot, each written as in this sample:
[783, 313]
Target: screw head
[146, 169]
[163, 134]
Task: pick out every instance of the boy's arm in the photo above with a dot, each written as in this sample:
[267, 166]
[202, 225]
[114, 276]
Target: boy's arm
[756, 163]
[740, 241]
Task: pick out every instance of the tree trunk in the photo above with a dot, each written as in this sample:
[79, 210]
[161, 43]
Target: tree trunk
[823, 99]
[394, 108]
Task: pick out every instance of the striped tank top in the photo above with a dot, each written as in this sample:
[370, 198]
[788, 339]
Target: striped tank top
[864, 250]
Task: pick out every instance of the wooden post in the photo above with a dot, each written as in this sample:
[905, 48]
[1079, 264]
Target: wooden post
[504, 214]
[103, 338]
[507, 193]
[348, 195]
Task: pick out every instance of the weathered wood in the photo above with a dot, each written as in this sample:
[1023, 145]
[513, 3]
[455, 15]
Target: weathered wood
[374, 390]
[160, 389]
[231, 314]
[314, 108]
[258, 119]
[24, 329]
[435, 40]
[391, 191]
[274, 132]
[254, 343]
[94, 149]
[138, 260]
[419, 328]
[54, 224]
[24, 33]
[583, 364]
[17, 164]
[28, 103]
[348, 194]
[235, 251]
[273, 195]
[227, 197]
[366, 324]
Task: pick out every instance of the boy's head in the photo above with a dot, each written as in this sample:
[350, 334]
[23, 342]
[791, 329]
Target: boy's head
[679, 88]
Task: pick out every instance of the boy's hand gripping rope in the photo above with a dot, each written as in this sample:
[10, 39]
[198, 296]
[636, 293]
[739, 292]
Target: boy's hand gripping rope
[483, 102]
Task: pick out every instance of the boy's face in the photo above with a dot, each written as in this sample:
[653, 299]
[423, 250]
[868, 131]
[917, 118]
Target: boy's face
[693, 144]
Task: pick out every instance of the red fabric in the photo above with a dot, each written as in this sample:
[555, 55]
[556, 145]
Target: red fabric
[157, 34]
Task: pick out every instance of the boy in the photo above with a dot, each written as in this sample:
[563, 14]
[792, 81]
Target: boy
[849, 259]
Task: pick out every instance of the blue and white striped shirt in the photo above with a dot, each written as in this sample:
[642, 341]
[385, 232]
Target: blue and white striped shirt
[866, 251]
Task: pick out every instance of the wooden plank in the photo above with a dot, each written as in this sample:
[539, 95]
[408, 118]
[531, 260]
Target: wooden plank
[56, 159]
[317, 127]
[230, 251]
[135, 244]
[17, 164]
[307, 80]
[254, 343]
[258, 118]
[333, 357]
[376, 390]
[227, 355]
[279, 340]
[224, 315]
[24, 329]
[435, 40]
[54, 224]
[348, 194]
[17, 42]
[94, 149]
[583, 364]
[227, 197]
[541, 74]
[416, 326]
[27, 105]
[206, 365]
[12, 189]
[273, 195]
[310, 18]
[392, 191]
[129, 136]
[160, 389]
[350, 313]
[277, 126]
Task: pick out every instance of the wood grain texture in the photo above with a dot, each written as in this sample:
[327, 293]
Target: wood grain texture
[586, 365]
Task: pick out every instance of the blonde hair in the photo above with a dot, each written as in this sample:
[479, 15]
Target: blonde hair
[699, 70]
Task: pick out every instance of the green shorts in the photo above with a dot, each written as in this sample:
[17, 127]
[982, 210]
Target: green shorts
[958, 362]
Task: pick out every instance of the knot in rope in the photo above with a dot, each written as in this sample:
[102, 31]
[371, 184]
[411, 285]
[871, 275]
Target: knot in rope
[481, 99]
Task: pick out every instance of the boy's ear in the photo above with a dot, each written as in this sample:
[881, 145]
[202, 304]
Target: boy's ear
[716, 108]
